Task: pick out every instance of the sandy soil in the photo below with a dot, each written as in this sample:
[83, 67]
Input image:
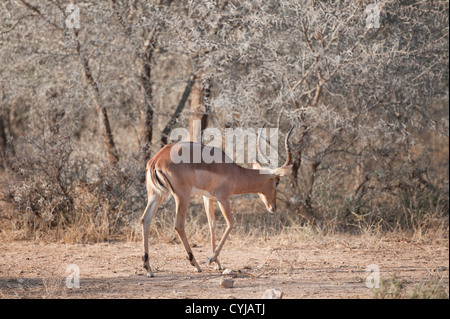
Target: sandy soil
[330, 268]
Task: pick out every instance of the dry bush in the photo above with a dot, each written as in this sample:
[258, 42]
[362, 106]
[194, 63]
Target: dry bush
[55, 192]
[370, 147]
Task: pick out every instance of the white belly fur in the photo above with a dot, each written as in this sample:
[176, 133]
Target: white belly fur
[201, 192]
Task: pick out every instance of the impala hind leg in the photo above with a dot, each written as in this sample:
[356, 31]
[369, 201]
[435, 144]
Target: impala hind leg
[182, 207]
[154, 200]
[209, 207]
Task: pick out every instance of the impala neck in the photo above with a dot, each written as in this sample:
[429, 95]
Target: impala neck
[250, 181]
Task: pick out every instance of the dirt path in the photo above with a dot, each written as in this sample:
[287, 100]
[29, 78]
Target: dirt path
[333, 268]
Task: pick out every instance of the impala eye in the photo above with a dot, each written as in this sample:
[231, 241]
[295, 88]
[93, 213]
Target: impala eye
[276, 183]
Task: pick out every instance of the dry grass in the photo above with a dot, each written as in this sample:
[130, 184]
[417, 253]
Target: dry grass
[99, 222]
[395, 289]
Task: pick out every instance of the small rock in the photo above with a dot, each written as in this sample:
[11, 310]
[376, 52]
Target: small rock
[227, 283]
[272, 294]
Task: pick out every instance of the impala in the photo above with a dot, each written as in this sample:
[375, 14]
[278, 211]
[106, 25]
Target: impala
[214, 181]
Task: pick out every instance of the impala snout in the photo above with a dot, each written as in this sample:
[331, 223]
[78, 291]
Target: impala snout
[270, 204]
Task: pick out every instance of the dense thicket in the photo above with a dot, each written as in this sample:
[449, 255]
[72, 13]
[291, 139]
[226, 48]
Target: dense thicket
[83, 108]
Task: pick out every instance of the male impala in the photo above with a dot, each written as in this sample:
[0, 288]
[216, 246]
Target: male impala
[214, 181]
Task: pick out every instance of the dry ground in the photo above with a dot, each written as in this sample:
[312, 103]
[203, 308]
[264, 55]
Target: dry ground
[331, 267]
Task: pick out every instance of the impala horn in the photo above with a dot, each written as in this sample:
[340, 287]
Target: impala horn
[286, 145]
[288, 149]
[261, 153]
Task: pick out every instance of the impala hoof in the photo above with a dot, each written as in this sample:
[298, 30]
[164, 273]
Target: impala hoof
[213, 260]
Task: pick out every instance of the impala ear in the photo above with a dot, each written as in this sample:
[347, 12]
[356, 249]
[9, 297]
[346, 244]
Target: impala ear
[283, 170]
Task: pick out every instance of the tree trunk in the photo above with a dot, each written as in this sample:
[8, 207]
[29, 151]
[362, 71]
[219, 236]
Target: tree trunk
[144, 56]
[178, 110]
[2, 140]
[147, 110]
[297, 160]
[102, 113]
[200, 95]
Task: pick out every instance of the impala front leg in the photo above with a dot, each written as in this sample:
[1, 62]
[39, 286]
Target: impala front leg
[209, 207]
[226, 211]
[215, 260]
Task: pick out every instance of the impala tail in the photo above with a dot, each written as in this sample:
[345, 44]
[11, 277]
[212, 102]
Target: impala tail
[157, 180]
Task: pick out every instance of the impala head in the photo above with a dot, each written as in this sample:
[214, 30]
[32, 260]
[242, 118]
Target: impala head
[268, 193]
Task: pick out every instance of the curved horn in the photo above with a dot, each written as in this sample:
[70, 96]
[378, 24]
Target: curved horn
[259, 147]
[288, 150]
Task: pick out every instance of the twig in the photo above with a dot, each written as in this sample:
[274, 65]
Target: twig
[16, 24]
